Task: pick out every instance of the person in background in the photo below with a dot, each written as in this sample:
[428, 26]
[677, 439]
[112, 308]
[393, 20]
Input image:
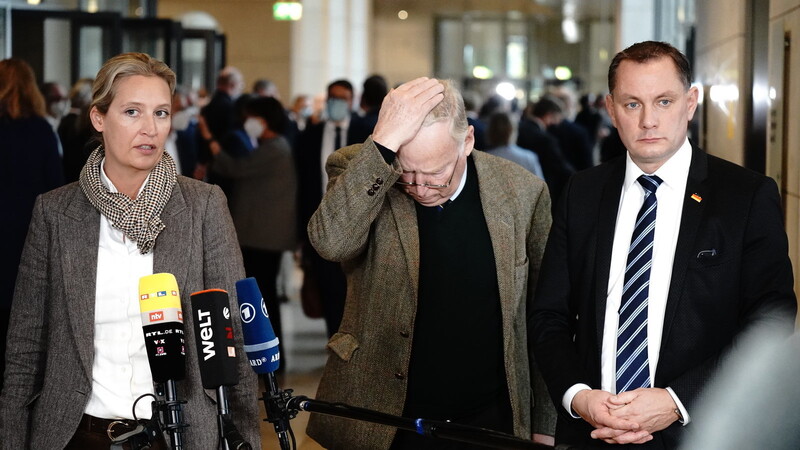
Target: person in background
[29, 166]
[75, 131]
[56, 103]
[573, 140]
[657, 263]
[471, 101]
[263, 199]
[265, 88]
[502, 133]
[533, 135]
[362, 125]
[219, 114]
[301, 111]
[182, 144]
[441, 246]
[76, 359]
[312, 149]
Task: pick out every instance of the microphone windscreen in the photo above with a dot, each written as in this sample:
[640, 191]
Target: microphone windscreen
[213, 333]
[260, 342]
[162, 324]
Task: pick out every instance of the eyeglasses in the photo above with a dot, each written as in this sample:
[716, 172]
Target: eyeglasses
[429, 185]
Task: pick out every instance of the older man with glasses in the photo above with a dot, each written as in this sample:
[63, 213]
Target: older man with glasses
[441, 246]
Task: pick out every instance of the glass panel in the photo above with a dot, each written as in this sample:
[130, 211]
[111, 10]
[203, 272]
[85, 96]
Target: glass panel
[4, 12]
[516, 50]
[57, 51]
[486, 38]
[90, 51]
[146, 40]
[193, 64]
[451, 48]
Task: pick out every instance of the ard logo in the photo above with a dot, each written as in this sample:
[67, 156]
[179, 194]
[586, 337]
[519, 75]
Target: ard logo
[156, 316]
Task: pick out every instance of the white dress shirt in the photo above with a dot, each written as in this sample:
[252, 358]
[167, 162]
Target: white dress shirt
[670, 196]
[329, 146]
[121, 371]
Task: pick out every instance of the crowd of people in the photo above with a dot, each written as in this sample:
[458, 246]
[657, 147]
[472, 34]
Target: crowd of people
[567, 277]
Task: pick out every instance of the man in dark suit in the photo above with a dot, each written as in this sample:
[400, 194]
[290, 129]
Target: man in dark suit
[312, 149]
[533, 135]
[636, 305]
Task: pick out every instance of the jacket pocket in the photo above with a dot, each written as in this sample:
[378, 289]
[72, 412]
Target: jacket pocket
[343, 345]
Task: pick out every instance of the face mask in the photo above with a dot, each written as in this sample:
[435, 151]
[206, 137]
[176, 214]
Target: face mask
[337, 109]
[181, 120]
[59, 109]
[254, 127]
[306, 112]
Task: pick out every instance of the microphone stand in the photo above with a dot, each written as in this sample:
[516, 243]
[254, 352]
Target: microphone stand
[142, 436]
[172, 413]
[282, 406]
[275, 401]
[431, 428]
[229, 436]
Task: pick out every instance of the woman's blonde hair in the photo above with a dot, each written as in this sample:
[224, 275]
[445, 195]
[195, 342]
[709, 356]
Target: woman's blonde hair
[123, 66]
[19, 95]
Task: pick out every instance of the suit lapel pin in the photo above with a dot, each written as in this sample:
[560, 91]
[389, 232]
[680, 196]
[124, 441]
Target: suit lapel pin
[697, 198]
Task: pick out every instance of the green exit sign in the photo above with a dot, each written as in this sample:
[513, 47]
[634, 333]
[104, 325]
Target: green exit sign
[287, 11]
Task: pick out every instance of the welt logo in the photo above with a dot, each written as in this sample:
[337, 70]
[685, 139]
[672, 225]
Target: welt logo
[156, 316]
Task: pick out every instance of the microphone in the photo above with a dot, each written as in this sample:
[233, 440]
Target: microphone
[216, 355]
[162, 324]
[261, 346]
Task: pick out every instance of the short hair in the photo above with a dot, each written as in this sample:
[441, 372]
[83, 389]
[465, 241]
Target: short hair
[123, 66]
[547, 105]
[229, 75]
[269, 109]
[19, 95]
[341, 83]
[80, 94]
[500, 129]
[451, 107]
[643, 52]
[375, 89]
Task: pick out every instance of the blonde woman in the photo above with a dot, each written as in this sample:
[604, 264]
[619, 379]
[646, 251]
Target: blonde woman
[76, 354]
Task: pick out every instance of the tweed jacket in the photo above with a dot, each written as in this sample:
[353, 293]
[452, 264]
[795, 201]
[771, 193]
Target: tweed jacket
[51, 335]
[376, 239]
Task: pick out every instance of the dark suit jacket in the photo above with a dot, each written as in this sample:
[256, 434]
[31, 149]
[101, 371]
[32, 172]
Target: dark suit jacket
[555, 166]
[51, 335]
[711, 300]
[376, 239]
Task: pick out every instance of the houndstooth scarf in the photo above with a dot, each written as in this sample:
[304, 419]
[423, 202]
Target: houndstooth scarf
[138, 219]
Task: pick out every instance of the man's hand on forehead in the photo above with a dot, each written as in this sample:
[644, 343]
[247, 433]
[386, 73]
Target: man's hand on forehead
[404, 109]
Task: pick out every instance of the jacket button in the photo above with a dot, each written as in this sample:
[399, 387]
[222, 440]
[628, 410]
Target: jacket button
[376, 186]
[370, 192]
[379, 180]
[399, 376]
[404, 333]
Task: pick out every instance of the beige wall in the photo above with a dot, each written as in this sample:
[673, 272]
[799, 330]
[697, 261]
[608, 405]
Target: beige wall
[719, 67]
[258, 45]
[783, 145]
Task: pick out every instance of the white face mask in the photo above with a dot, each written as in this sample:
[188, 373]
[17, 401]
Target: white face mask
[254, 127]
[60, 109]
[182, 119]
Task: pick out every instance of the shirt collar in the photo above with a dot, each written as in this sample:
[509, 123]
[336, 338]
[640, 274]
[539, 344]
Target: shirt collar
[463, 181]
[672, 172]
[107, 181]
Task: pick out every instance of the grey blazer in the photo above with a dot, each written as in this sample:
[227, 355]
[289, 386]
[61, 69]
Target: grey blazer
[375, 237]
[51, 333]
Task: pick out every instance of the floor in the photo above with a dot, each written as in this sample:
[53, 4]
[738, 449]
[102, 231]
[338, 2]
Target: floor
[304, 348]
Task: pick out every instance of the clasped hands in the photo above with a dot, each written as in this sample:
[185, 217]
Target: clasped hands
[627, 418]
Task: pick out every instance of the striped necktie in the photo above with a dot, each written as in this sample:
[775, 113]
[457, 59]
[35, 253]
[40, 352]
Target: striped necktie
[633, 370]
